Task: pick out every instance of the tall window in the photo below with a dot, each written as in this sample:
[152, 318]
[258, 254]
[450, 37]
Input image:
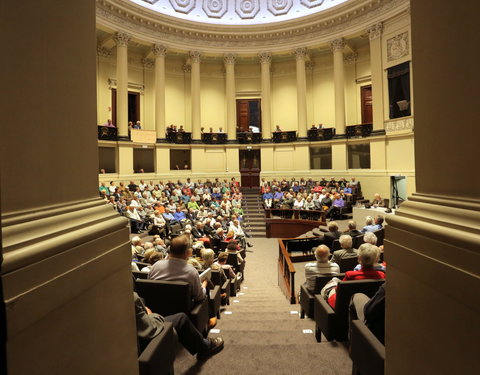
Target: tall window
[399, 90]
[321, 157]
[358, 156]
[180, 159]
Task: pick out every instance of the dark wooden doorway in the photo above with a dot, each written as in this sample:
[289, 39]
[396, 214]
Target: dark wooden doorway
[250, 168]
[248, 114]
[133, 106]
[367, 104]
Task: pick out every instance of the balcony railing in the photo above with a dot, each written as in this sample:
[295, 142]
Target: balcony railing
[320, 134]
[361, 130]
[283, 137]
[249, 137]
[106, 133]
[179, 137]
[214, 138]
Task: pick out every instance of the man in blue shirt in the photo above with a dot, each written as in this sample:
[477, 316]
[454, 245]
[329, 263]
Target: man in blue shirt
[337, 204]
[179, 215]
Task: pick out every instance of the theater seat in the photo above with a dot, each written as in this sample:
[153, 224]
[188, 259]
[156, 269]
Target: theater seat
[158, 356]
[171, 297]
[347, 264]
[333, 323]
[366, 351]
[306, 297]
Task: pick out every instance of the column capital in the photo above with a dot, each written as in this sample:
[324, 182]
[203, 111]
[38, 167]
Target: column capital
[103, 52]
[337, 44]
[229, 58]
[159, 50]
[187, 68]
[195, 56]
[121, 39]
[350, 59]
[375, 31]
[265, 57]
[300, 53]
[310, 65]
[148, 63]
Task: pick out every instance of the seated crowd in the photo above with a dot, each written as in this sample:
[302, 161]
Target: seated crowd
[195, 228]
[328, 196]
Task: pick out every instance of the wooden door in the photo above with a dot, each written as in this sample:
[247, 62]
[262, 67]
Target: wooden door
[250, 168]
[133, 106]
[248, 114]
[367, 105]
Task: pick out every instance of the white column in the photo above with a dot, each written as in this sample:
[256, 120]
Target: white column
[159, 53]
[195, 85]
[265, 61]
[300, 54]
[229, 60]
[122, 40]
[375, 33]
[337, 46]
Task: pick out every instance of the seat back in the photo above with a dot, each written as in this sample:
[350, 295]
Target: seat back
[321, 281]
[357, 241]
[140, 275]
[347, 264]
[216, 277]
[303, 244]
[335, 245]
[165, 297]
[380, 233]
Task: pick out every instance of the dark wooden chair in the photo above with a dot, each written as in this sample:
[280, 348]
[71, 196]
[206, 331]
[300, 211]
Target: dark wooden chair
[140, 275]
[357, 241]
[335, 245]
[347, 264]
[333, 323]
[224, 287]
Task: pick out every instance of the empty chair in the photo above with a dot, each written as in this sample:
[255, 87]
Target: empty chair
[333, 323]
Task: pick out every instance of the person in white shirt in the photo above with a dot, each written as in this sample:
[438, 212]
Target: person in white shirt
[298, 203]
[321, 267]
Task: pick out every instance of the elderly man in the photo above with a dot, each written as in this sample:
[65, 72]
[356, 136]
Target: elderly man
[136, 223]
[373, 224]
[332, 234]
[334, 209]
[352, 229]
[176, 268]
[378, 201]
[347, 250]
[321, 267]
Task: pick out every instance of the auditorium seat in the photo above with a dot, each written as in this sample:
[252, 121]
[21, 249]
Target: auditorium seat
[171, 297]
[225, 287]
[307, 298]
[347, 264]
[333, 323]
[140, 275]
[158, 356]
[357, 241]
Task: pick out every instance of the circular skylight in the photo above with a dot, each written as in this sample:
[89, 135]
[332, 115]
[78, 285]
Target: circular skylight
[238, 12]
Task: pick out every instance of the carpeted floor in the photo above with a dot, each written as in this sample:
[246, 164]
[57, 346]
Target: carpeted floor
[263, 333]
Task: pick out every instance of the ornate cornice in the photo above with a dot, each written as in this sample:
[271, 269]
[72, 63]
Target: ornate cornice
[265, 57]
[121, 39]
[337, 44]
[159, 50]
[229, 58]
[346, 19]
[375, 31]
[195, 56]
[300, 53]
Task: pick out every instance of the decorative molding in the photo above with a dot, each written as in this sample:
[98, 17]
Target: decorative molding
[399, 124]
[375, 31]
[247, 9]
[300, 53]
[159, 50]
[148, 63]
[195, 56]
[310, 65]
[311, 3]
[147, 25]
[121, 39]
[279, 7]
[183, 6]
[215, 8]
[350, 59]
[337, 44]
[229, 58]
[112, 83]
[187, 68]
[103, 52]
[265, 57]
[398, 47]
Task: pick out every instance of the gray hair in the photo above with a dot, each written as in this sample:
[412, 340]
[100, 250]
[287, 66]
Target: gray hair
[332, 226]
[369, 220]
[346, 241]
[368, 255]
[370, 238]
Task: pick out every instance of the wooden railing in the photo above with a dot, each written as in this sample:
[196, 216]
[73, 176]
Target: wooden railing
[286, 273]
[214, 138]
[360, 130]
[282, 137]
[287, 213]
[178, 137]
[249, 137]
[106, 133]
[322, 134]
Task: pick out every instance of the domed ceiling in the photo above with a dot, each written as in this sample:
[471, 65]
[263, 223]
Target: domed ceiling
[238, 12]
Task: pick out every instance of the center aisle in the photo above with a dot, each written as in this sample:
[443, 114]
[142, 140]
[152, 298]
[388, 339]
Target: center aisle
[263, 333]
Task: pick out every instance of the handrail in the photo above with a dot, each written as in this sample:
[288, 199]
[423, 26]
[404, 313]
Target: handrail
[286, 276]
[290, 213]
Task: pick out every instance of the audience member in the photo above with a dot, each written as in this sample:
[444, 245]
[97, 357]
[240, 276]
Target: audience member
[321, 267]
[347, 250]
